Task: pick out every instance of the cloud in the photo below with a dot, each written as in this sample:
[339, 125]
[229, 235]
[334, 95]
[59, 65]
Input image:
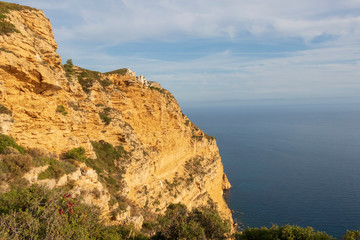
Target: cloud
[327, 64]
[327, 72]
[113, 21]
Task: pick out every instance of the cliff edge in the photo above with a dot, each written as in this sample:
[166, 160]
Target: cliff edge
[58, 108]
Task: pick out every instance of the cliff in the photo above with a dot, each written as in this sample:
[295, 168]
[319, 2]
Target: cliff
[54, 107]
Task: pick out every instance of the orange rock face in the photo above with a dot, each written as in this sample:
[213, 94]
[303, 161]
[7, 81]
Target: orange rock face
[171, 160]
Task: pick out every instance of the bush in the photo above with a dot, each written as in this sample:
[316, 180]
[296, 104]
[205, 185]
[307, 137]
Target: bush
[4, 110]
[6, 141]
[77, 154]
[106, 155]
[56, 169]
[69, 68]
[13, 166]
[178, 223]
[210, 220]
[352, 235]
[105, 83]
[6, 27]
[104, 115]
[87, 78]
[61, 109]
[160, 90]
[40, 213]
[283, 232]
[195, 167]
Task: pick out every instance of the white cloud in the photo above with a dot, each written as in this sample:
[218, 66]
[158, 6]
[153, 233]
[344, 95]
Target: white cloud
[328, 69]
[328, 72]
[114, 21]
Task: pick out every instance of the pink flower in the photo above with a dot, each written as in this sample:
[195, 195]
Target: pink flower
[60, 211]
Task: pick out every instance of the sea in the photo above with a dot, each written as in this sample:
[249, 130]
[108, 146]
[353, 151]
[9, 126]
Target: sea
[289, 164]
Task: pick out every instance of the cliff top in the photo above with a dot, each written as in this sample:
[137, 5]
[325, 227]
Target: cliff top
[5, 26]
[137, 148]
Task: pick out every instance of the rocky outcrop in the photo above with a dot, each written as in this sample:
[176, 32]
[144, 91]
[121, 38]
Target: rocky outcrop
[170, 160]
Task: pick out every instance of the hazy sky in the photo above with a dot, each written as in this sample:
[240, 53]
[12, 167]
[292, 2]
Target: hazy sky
[223, 50]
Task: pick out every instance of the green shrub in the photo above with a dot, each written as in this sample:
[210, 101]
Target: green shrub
[105, 165]
[6, 50]
[283, 232]
[160, 90]
[51, 172]
[195, 168]
[85, 83]
[38, 213]
[87, 78]
[77, 154]
[105, 83]
[352, 235]
[61, 109]
[6, 141]
[13, 166]
[104, 115]
[179, 223]
[4, 110]
[69, 68]
[107, 154]
[56, 169]
[210, 220]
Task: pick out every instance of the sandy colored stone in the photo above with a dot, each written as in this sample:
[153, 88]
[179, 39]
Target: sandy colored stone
[147, 122]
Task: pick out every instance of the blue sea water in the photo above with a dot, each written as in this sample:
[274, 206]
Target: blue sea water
[295, 165]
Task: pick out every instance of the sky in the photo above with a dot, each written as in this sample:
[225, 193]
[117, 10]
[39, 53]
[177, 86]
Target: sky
[218, 52]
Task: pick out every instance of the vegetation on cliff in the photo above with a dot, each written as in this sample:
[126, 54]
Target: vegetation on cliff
[36, 212]
[5, 26]
[39, 213]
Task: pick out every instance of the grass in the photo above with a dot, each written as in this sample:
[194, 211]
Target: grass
[160, 90]
[121, 71]
[5, 7]
[87, 78]
[105, 83]
[5, 26]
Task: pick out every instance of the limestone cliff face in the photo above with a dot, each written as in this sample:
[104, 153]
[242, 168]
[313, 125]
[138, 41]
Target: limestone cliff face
[170, 160]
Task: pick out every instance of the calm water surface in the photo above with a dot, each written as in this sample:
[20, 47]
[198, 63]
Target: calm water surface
[289, 164]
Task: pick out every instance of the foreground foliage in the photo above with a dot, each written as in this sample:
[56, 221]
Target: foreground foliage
[286, 232]
[39, 213]
[179, 223]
